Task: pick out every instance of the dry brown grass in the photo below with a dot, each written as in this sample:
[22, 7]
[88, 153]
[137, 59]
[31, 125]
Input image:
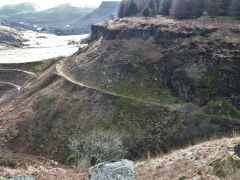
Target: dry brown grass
[38, 167]
[173, 25]
[191, 162]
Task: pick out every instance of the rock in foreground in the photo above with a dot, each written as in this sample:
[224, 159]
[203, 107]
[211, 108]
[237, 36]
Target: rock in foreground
[122, 170]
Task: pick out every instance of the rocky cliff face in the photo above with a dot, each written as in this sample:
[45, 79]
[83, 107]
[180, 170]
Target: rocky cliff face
[188, 69]
[198, 61]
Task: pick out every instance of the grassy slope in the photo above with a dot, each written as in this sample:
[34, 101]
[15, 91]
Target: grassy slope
[106, 66]
[38, 167]
[58, 109]
[214, 159]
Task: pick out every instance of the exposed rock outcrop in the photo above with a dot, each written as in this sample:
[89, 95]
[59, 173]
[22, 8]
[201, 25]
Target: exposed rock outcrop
[122, 170]
[199, 60]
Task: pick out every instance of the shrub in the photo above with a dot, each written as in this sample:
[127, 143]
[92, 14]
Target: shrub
[217, 7]
[153, 6]
[121, 8]
[147, 12]
[180, 9]
[96, 147]
[127, 8]
[164, 7]
[144, 7]
[141, 4]
[234, 9]
[184, 9]
[130, 9]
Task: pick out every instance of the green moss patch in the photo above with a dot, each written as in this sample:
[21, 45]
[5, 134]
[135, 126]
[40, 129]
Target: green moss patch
[222, 108]
[142, 86]
[137, 82]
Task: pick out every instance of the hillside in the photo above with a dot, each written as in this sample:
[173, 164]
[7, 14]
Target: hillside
[40, 168]
[214, 159]
[62, 20]
[162, 56]
[10, 37]
[12, 10]
[58, 16]
[101, 14]
[142, 86]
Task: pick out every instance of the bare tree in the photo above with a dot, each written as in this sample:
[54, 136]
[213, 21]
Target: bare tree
[97, 146]
[112, 17]
[184, 9]
[141, 4]
[217, 7]
[121, 8]
[234, 9]
[106, 22]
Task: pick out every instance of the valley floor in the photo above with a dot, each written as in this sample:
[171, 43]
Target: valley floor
[37, 46]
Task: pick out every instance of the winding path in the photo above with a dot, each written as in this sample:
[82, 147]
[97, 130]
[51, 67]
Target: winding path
[18, 87]
[19, 70]
[70, 79]
[11, 84]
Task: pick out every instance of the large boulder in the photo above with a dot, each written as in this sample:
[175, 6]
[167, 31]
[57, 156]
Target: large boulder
[122, 170]
[21, 177]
